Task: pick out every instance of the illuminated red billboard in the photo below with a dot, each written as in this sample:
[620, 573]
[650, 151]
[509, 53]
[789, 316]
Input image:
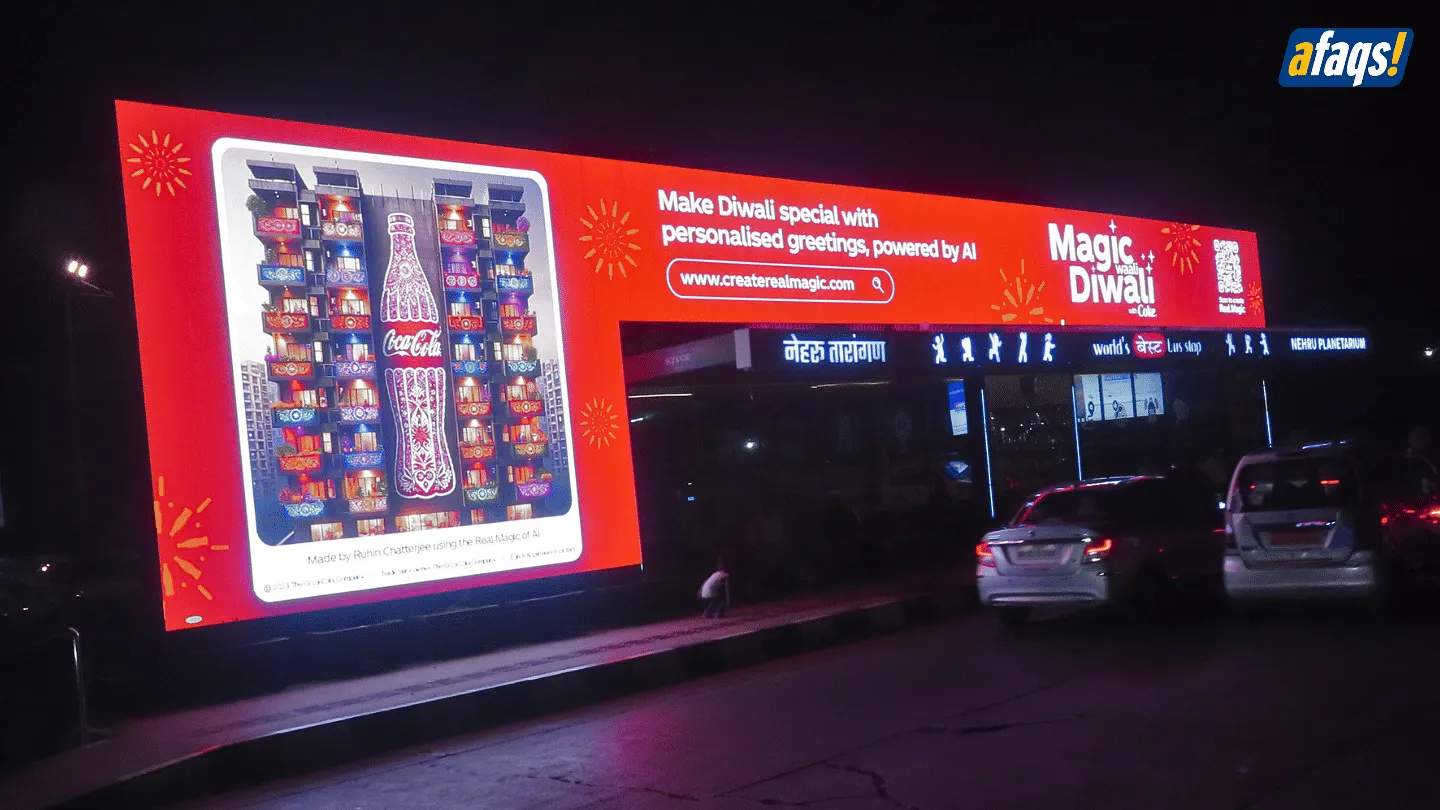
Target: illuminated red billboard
[379, 366]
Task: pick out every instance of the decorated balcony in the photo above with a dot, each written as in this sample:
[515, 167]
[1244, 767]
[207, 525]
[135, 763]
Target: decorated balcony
[477, 452]
[363, 459]
[358, 414]
[531, 490]
[467, 323]
[342, 231]
[461, 276]
[307, 509]
[277, 275]
[522, 368]
[277, 228]
[344, 277]
[514, 241]
[518, 325]
[355, 368]
[474, 409]
[521, 283]
[350, 323]
[288, 414]
[301, 462]
[370, 505]
[488, 493]
[291, 369]
[530, 449]
[459, 238]
[471, 368]
[286, 322]
[526, 407]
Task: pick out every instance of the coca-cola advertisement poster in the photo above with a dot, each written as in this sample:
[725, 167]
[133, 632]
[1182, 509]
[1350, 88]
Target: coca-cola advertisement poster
[399, 370]
[380, 365]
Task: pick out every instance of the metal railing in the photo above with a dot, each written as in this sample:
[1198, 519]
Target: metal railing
[77, 672]
[82, 712]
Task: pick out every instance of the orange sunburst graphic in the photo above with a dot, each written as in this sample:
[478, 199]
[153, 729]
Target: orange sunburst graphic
[180, 538]
[1180, 244]
[609, 238]
[1255, 296]
[599, 423]
[1021, 298]
[159, 163]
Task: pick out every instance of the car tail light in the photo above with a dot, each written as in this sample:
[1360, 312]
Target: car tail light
[1433, 513]
[984, 555]
[1098, 548]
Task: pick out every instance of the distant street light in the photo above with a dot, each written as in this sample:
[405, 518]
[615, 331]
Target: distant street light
[1429, 352]
[80, 272]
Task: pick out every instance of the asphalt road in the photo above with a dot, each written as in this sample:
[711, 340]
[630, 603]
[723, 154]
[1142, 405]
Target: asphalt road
[1307, 711]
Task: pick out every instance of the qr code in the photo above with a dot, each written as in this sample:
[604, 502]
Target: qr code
[1227, 267]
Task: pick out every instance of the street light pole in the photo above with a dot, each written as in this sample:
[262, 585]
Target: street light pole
[78, 273]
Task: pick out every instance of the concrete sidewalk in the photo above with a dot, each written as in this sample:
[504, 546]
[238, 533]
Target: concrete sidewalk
[187, 754]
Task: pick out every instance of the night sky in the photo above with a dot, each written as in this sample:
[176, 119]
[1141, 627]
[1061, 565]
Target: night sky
[1168, 117]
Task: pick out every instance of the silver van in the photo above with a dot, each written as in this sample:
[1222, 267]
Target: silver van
[1329, 521]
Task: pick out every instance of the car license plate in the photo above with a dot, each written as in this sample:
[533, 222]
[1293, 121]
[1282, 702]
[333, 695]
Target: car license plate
[1291, 539]
[1037, 552]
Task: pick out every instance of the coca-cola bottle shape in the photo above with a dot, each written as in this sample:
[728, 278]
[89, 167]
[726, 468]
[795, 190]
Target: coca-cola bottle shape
[415, 376]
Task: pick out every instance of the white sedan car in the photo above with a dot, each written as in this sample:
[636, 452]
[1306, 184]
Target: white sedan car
[1099, 542]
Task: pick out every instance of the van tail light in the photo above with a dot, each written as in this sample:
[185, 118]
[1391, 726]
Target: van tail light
[1098, 548]
[985, 555]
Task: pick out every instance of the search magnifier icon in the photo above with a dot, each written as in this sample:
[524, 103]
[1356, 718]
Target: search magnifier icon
[875, 282]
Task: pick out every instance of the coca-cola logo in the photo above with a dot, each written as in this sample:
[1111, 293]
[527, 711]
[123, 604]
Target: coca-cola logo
[1149, 344]
[424, 343]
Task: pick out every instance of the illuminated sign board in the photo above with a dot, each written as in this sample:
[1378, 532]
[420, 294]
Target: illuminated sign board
[1190, 347]
[842, 351]
[994, 349]
[1114, 347]
[991, 349]
[1149, 345]
[959, 416]
[1328, 343]
[483, 288]
[1247, 345]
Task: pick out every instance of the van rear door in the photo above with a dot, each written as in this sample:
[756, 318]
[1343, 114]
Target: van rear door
[1296, 509]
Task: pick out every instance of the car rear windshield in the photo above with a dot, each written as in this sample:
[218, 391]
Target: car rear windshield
[1088, 505]
[1300, 483]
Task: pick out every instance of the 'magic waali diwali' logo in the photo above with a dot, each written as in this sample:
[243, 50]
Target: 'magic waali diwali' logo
[1103, 269]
